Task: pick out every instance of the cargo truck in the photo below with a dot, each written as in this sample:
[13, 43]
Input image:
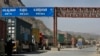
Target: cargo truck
[61, 38]
[21, 33]
[2, 36]
[35, 34]
[35, 38]
[2, 29]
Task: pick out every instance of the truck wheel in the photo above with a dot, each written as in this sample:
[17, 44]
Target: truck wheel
[19, 49]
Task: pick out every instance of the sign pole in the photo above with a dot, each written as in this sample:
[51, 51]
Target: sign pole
[55, 28]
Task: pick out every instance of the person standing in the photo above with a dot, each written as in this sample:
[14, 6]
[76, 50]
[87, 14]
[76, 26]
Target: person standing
[9, 47]
[73, 42]
[2, 47]
[59, 46]
[79, 43]
[97, 46]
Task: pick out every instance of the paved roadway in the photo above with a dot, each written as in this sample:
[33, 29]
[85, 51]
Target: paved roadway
[66, 52]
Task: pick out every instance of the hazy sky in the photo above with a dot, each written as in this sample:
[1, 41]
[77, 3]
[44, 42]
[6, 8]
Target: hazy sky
[85, 25]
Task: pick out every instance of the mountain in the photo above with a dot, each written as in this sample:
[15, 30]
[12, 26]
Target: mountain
[35, 22]
[43, 28]
[85, 35]
[11, 3]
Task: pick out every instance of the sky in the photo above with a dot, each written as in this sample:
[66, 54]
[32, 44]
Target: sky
[84, 25]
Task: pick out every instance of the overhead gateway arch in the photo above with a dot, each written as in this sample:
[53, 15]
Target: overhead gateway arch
[73, 12]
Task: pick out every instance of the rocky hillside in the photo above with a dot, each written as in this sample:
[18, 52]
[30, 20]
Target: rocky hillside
[36, 23]
[11, 3]
[85, 35]
[39, 24]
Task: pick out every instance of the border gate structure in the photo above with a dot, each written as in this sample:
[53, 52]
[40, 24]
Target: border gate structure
[71, 12]
[74, 12]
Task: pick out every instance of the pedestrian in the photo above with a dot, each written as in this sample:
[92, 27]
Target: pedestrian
[73, 42]
[2, 47]
[98, 46]
[79, 43]
[59, 46]
[9, 47]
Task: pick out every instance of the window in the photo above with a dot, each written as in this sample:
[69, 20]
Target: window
[13, 28]
[13, 36]
[13, 31]
[9, 20]
[9, 28]
[13, 21]
[12, 24]
[9, 31]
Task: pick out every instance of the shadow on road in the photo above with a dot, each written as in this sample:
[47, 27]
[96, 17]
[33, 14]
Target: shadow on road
[35, 52]
[18, 55]
[15, 55]
[23, 54]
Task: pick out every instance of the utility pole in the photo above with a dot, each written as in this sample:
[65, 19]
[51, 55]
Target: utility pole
[55, 28]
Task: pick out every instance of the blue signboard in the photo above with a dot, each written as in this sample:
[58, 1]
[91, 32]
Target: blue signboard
[28, 11]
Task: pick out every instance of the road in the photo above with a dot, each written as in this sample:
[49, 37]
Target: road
[66, 52]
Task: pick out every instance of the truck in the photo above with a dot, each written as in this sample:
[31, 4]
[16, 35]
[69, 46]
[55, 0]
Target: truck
[35, 38]
[35, 34]
[21, 33]
[3, 35]
[61, 38]
[3, 30]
